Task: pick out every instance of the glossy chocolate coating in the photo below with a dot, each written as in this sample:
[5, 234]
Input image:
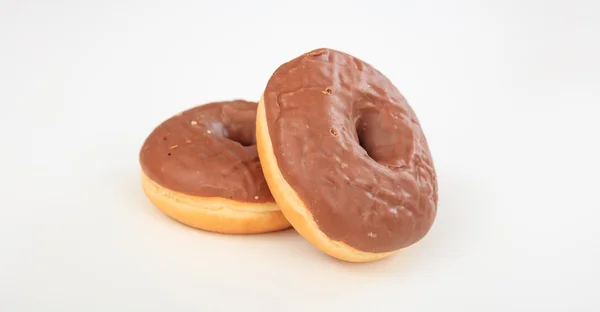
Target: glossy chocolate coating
[348, 143]
[208, 151]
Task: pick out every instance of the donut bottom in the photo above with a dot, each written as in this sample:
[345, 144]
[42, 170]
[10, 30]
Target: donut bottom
[215, 214]
[292, 205]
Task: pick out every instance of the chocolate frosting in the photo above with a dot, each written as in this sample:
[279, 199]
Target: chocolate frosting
[349, 144]
[208, 151]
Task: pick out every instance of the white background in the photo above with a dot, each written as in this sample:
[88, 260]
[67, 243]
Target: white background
[507, 93]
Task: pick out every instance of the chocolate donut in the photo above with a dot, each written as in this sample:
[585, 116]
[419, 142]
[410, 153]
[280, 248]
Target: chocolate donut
[201, 168]
[345, 157]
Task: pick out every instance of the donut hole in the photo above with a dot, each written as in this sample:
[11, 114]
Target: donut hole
[240, 131]
[244, 138]
[365, 142]
[238, 123]
[244, 133]
[385, 139]
[366, 133]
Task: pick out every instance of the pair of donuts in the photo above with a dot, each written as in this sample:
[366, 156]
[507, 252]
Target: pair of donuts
[332, 148]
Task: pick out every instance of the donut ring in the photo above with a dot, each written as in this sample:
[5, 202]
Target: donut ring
[345, 157]
[201, 168]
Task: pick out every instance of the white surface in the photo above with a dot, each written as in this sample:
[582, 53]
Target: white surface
[507, 92]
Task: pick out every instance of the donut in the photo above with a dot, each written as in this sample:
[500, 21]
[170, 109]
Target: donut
[201, 168]
[345, 157]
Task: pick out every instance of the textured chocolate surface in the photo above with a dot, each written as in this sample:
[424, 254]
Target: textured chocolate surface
[349, 144]
[208, 151]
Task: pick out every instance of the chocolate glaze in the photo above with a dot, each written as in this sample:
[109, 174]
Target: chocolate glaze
[348, 143]
[208, 151]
